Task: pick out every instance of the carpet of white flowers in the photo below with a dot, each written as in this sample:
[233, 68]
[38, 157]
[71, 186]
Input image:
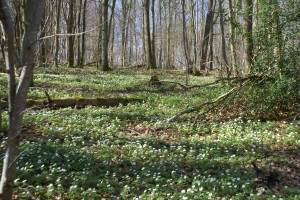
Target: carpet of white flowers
[131, 152]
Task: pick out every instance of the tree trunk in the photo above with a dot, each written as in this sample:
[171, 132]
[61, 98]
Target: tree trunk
[149, 54]
[99, 45]
[112, 42]
[232, 39]
[124, 30]
[153, 48]
[57, 29]
[248, 39]
[79, 30]
[185, 39]
[169, 30]
[205, 41]
[104, 53]
[42, 44]
[33, 14]
[223, 45]
[82, 56]
[194, 32]
[185, 43]
[9, 163]
[211, 49]
[70, 26]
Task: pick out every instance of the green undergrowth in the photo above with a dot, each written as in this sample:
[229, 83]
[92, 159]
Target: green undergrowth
[132, 152]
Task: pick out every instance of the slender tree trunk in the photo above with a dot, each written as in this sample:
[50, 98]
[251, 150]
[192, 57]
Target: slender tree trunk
[161, 47]
[277, 31]
[112, 43]
[168, 63]
[70, 26]
[19, 29]
[153, 46]
[82, 56]
[248, 38]
[144, 36]
[184, 35]
[205, 42]
[211, 48]
[232, 39]
[42, 45]
[124, 30]
[8, 49]
[33, 14]
[194, 33]
[185, 42]
[57, 29]
[105, 34]
[149, 51]
[99, 47]
[223, 46]
[79, 27]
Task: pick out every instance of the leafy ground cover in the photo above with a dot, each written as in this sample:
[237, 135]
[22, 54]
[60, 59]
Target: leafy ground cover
[132, 152]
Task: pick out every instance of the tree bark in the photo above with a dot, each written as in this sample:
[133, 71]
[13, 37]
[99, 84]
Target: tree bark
[248, 38]
[77, 102]
[79, 27]
[194, 32]
[70, 26]
[169, 63]
[9, 164]
[232, 39]
[149, 51]
[57, 29]
[126, 6]
[223, 48]
[205, 41]
[33, 14]
[185, 42]
[82, 56]
[153, 34]
[105, 35]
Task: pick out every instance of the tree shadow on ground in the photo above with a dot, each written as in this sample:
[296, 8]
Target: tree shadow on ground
[144, 164]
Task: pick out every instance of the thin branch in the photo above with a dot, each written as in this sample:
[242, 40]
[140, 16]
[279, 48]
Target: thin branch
[187, 87]
[198, 107]
[71, 34]
[233, 79]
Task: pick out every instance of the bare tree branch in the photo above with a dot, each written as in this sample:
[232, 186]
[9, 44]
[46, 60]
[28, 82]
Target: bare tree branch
[218, 99]
[71, 34]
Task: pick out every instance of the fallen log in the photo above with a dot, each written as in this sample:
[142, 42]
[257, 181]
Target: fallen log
[76, 102]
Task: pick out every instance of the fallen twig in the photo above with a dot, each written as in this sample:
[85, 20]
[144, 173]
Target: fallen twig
[198, 107]
[234, 80]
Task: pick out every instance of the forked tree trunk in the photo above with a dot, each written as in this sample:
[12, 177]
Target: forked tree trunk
[33, 15]
[9, 165]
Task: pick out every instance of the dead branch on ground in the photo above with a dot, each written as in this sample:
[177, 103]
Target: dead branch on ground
[231, 80]
[218, 99]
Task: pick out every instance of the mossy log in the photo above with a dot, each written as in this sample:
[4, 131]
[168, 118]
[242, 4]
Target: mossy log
[77, 102]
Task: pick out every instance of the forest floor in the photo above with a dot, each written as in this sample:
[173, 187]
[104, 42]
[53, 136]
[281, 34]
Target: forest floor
[132, 152]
